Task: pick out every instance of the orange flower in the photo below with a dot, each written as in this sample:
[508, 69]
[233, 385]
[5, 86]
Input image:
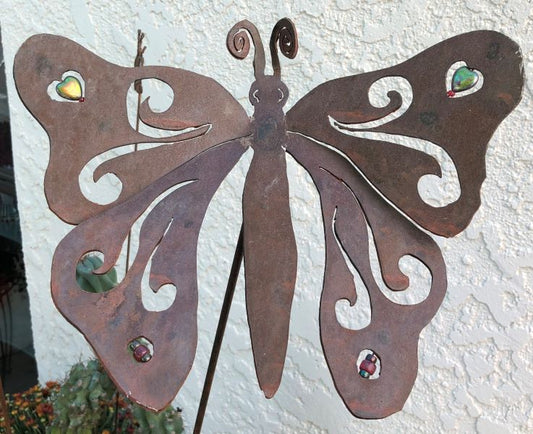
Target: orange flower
[52, 384]
[44, 408]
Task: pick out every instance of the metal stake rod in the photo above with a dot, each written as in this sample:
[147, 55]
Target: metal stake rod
[224, 313]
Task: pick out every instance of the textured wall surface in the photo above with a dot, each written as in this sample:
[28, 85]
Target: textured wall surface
[475, 357]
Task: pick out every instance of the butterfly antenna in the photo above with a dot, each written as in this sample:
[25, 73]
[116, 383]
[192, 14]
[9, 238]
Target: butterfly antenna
[238, 43]
[138, 62]
[285, 37]
[139, 59]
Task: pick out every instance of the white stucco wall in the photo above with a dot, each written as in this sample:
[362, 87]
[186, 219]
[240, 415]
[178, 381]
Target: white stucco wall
[475, 370]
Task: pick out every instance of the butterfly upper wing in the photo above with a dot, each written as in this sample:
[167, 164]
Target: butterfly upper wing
[167, 252]
[462, 126]
[202, 114]
[357, 176]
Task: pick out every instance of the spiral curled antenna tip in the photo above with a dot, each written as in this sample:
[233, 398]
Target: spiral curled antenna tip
[238, 43]
[284, 35]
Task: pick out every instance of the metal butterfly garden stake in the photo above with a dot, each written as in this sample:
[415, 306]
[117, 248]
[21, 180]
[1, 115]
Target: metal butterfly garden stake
[461, 89]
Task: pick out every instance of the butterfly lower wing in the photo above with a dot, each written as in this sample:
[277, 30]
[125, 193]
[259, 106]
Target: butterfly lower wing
[349, 204]
[167, 247]
[339, 113]
[202, 115]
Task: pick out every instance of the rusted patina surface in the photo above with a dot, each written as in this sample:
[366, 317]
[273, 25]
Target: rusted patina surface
[367, 185]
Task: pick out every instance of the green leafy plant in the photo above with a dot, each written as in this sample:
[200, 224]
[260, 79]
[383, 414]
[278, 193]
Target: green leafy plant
[168, 421]
[88, 403]
[90, 282]
[84, 402]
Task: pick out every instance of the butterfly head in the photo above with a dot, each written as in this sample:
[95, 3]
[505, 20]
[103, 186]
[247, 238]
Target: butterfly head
[267, 90]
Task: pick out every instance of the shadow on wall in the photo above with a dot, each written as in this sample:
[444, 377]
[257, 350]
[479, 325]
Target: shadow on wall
[18, 369]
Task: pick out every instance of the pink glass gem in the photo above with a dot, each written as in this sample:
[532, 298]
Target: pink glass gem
[368, 366]
[140, 352]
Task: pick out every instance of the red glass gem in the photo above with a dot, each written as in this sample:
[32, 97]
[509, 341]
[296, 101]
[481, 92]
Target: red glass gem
[140, 352]
[368, 366]
[450, 93]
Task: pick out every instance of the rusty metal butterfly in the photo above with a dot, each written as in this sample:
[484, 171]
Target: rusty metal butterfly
[368, 184]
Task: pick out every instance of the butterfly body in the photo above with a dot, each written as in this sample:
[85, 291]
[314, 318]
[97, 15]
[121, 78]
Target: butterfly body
[269, 244]
[367, 181]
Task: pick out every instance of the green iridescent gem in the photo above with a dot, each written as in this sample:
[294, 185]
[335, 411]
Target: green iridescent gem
[463, 79]
[364, 374]
[70, 88]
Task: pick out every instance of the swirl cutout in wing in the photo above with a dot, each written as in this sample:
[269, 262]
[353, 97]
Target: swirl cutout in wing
[348, 205]
[168, 239]
[202, 115]
[460, 126]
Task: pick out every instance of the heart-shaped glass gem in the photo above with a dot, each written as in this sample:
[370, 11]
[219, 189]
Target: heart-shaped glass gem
[70, 88]
[464, 78]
